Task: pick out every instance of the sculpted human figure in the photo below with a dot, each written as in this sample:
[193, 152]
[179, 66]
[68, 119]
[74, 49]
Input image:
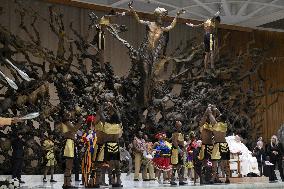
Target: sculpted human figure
[210, 42]
[153, 46]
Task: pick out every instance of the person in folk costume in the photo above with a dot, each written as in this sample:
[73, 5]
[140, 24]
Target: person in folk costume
[69, 130]
[109, 130]
[197, 163]
[147, 161]
[48, 145]
[162, 153]
[177, 154]
[206, 133]
[89, 141]
[221, 151]
[191, 145]
[210, 41]
[139, 147]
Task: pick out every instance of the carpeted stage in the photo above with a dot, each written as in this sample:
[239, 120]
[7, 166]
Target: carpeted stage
[35, 182]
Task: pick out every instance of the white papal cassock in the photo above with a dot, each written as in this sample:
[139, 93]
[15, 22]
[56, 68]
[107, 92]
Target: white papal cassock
[248, 163]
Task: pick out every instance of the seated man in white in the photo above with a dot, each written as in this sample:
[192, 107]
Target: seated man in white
[248, 163]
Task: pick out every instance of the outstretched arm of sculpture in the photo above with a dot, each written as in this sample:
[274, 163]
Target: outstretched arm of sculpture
[136, 15]
[8, 121]
[174, 22]
[194, 26]
[115, 14]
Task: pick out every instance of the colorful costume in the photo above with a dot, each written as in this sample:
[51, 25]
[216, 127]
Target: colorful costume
[89, 140]
[189, 158]
[162, 160]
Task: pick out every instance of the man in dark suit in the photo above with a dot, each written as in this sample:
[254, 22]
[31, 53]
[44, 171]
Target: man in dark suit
[18, 144]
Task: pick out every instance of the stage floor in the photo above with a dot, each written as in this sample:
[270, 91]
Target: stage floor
[35, 182]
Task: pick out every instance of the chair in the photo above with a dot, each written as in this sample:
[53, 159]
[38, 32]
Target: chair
[235, 164]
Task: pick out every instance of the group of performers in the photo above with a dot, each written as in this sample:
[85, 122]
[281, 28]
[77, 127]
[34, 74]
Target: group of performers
[175, 154]
[101, 148]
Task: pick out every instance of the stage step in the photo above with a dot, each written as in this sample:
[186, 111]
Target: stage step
[248, 180]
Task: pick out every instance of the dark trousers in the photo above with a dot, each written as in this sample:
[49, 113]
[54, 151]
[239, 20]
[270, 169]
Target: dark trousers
[260, 168]
[76, 168]
[17, 165]
[280, 168]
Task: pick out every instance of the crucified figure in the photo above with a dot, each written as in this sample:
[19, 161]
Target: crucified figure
[210, 41]
[156, 28]
[153, 46]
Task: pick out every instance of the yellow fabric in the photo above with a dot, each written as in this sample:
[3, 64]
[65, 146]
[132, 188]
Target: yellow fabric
[216, 152]
[168, 144]
[207, 126]
[224, 147]
[48, 146]
[189, 164]
[218, 148]
[180, 137]
[69, 148]
[174, 156]
[108, 128]
[221, 127]
[205, 148]
[99, 153]
[104, 21]
[112, 147]
[64, 128]
[5, 121]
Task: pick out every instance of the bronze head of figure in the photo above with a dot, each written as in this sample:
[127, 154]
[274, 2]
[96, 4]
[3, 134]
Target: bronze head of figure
[159, 13]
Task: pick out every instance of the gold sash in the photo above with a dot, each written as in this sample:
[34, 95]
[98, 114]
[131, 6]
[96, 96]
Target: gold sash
[207, 126]
[174, 156]
[107, 128]
[99, 153]
[221, 127]
[69, 148]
